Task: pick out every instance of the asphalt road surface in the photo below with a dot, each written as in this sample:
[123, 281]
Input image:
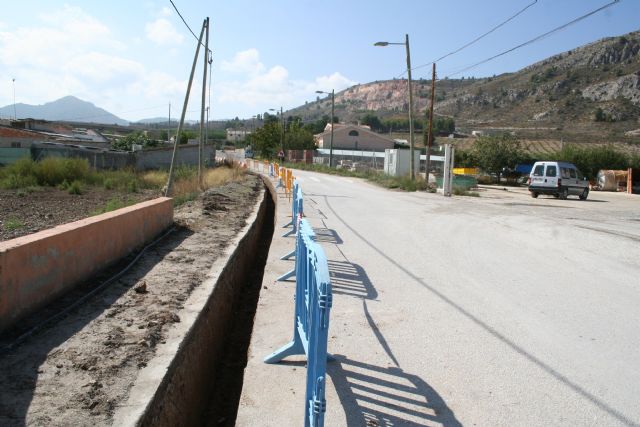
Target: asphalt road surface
[501, 310]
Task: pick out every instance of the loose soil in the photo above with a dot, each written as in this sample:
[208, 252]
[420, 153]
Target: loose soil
[23, 213]
[80, 369]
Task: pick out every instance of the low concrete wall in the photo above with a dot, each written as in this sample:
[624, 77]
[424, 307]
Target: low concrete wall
[36, 269]
[175, 388]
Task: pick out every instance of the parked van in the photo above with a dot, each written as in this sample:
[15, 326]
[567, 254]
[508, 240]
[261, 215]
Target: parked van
[559, 179]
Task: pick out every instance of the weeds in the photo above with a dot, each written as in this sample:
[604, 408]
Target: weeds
[461, 191]
[13, 224]
[74, 175]
[114, 204]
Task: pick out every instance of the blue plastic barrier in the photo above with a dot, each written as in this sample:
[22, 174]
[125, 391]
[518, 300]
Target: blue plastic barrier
[296, 210]
[311, 321]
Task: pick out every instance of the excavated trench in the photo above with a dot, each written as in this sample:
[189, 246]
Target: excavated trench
[203, 382]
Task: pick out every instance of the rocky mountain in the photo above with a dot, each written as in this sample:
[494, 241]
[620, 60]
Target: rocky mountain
[591, 93]
[68, 108]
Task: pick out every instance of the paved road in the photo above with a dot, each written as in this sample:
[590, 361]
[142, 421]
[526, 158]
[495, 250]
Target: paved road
[493, 311]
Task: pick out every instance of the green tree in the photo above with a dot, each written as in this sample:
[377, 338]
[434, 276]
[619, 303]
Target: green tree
[186, 135]
[373, 121]
[492, 153]
[266, 139]
[138, 137]
[298, 137]
[591, 159]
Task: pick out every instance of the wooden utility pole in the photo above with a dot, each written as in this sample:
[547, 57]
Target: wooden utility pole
[430, 135]
[167, 192]
[204, 93]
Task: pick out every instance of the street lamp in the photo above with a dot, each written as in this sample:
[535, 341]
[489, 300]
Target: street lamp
[331, 140]
[282, 131]
[406, 44]
[15, 116]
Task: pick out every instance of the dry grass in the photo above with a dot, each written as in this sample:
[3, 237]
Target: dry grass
[222, 175]
[188, 189]
[154, 179]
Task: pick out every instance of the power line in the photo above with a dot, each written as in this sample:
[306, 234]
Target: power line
[187, 25]
[512, 17]
[479, 37]
[535, 39]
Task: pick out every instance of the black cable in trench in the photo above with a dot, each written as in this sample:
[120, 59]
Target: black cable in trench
[82, 299]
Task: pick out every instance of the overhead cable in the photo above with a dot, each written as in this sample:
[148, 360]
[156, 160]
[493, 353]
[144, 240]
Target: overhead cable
[479, 37]
[187, 25]
[535, 39]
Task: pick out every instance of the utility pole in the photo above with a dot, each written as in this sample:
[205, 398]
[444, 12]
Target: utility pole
[204, 94]
[169, 131]
[430, 136]
[282, 136]
[333, 102]
[412, 172]
[167, 192]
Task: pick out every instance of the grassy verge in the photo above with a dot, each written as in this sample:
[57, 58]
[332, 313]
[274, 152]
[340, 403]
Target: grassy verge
[76, 177]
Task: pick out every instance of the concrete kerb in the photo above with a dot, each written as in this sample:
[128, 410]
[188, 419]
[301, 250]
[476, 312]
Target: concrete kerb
[274, 394]
[173, 388]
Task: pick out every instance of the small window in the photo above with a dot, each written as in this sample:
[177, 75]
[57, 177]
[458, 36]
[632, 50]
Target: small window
[552, 171]
[354, 133]
[16, 145]
[572, 173]
[564, 172]
[539, 170]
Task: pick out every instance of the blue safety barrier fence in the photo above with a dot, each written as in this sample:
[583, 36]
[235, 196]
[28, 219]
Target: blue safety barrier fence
[296, 209]
[311, 321]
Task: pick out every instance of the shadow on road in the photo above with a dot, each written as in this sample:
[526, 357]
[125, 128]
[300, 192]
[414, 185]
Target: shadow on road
[327, 235]
[386, 396]
[350, 279]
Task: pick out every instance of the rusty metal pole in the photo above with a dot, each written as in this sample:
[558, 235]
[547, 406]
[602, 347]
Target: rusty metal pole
[430, 135]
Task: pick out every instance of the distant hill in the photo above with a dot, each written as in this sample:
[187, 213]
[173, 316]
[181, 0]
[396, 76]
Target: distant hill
[68, 108]
[588, 94]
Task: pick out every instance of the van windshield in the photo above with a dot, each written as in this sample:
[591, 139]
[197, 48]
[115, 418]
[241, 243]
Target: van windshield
[552, 171]
[538, 170]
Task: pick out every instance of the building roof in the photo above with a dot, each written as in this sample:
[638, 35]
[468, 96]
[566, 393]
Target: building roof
[359, 128]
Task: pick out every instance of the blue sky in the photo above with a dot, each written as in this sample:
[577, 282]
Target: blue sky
[133, 57]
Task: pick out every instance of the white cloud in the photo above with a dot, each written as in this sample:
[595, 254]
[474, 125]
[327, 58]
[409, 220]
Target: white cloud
[259, 88]
[165, 11]
[163, 33]
[246, 61]
[69, 52]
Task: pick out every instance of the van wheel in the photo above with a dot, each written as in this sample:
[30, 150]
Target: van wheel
[584, 194]
[534, 194]
[564, 193]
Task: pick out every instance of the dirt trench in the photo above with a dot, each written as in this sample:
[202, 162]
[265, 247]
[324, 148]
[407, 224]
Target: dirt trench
[80, 369]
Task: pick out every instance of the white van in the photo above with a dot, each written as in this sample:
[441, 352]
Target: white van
[559, 179]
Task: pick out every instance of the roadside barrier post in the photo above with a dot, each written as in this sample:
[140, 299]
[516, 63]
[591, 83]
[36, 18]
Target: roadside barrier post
[313, 301]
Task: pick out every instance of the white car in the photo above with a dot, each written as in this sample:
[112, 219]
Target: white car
[559, 179]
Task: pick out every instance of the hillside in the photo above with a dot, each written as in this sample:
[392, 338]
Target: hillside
[68, 108]
[589, 94]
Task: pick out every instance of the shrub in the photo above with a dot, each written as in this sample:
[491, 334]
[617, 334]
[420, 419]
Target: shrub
[53, 171]
[75, 187]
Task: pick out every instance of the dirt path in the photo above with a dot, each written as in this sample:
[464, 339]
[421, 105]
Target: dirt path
[79, 370]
